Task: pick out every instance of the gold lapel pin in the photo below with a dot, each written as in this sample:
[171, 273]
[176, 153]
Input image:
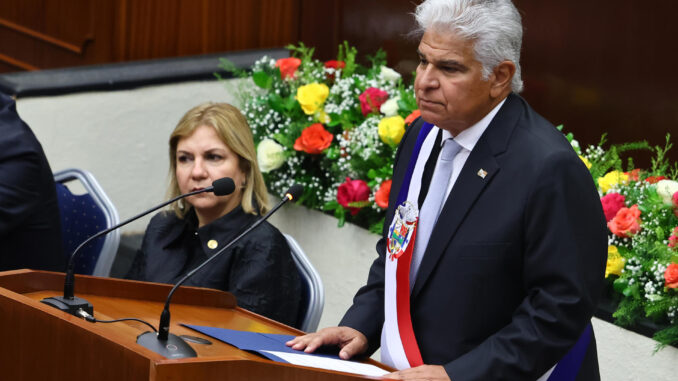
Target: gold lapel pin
[482, 173]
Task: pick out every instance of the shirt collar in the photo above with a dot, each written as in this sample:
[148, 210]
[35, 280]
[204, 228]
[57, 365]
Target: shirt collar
[468, 138]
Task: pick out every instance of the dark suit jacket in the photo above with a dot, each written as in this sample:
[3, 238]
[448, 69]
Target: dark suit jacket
[259, 269]
[30, 230]
[515, 263]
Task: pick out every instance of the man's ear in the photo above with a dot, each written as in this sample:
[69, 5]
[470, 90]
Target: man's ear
[502, 76]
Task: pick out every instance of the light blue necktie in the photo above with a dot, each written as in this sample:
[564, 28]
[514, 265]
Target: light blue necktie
[435, 198]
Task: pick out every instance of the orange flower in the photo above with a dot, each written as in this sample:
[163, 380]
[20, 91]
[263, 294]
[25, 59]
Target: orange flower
[288, 66]
[410, 118]
[634, 174]
[381, 197]
[671, 276]
[314, 139]
[626, 223]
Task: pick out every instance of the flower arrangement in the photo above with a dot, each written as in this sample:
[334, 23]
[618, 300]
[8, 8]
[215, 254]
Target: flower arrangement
[641, 209]
[331, 126]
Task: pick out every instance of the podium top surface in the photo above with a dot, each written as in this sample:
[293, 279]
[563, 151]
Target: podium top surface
[25, 318]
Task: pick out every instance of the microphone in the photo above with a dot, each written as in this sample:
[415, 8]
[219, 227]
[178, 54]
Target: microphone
[172, 346]
[69, 302]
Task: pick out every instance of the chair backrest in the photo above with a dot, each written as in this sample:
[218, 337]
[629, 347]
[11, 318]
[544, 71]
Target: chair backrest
[313, 293]
[82, 216]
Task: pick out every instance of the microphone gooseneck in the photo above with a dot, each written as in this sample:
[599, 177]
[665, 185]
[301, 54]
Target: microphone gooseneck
[170, 345]
[69, 302]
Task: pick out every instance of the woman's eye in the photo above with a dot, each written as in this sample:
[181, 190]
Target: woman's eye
[183, 159]
[214, 157]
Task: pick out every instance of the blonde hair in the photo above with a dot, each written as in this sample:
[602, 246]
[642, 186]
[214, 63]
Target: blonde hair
[232, 128]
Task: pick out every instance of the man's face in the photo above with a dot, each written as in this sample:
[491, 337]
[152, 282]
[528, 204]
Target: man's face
[450, 90]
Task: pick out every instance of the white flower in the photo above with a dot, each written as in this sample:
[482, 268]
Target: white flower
[270, 155]
[389, 74]
[390, 107]
[666, 189]
[575, 144]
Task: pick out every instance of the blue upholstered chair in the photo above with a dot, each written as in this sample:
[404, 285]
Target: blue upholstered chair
[83, 215]
[313, 293]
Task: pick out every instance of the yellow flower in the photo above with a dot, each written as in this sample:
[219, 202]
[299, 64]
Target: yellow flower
[615, 262]
[392, 129]
[586, 161]
[311, 97]
[611, 179]
[322, 117]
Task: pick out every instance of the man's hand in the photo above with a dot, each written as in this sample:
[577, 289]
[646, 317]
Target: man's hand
[423, 372]
[351, 341]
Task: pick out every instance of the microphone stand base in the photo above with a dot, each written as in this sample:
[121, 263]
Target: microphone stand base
[69, 305]
[172, 348]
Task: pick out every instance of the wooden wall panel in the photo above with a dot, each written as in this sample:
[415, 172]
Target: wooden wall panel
[593, 66]
[45, 33]
[158, 28]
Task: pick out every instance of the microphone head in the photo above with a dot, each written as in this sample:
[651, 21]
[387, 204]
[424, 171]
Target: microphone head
[223, 186]
[294, 192]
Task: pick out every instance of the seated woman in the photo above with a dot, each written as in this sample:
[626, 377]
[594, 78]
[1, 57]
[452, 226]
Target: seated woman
[213, 141]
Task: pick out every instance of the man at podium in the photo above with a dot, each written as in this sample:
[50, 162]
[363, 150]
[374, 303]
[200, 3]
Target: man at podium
[494, 246]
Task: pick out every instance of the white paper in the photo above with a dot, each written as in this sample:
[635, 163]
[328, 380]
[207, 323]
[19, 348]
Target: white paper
[330, 364]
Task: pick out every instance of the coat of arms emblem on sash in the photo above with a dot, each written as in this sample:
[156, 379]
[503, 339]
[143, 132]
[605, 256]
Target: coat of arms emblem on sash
[401, 231]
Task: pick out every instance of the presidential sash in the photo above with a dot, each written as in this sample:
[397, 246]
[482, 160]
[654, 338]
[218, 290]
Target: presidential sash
[399, 347]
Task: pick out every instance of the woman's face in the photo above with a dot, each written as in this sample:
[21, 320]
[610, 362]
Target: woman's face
[202, 158]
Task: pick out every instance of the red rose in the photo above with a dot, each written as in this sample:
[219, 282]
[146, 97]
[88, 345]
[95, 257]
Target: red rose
[334, 64]
[314, 139]
[671, 276]
[288, 66]
[654, 179]
[381, 197]
[412, 117]
[626, 223]
[371, 99]
[352, 191]
[612, 202]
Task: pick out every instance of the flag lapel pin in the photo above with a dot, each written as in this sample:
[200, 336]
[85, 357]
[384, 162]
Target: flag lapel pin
[482, 173]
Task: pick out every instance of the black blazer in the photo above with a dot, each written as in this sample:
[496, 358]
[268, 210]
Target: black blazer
[515, 263]
[30, 227]
[259, 269]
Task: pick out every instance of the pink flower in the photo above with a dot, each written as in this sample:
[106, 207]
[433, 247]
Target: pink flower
[612, 202]
[675, 199]
[673, 239]
[352, 191]
[626, 223]
[371, 100]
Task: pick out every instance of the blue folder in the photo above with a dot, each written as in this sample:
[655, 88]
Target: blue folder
[259, 342]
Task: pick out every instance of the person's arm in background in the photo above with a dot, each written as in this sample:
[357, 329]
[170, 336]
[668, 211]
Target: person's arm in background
[21, 165]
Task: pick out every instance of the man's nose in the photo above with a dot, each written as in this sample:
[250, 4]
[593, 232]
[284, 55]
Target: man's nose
[428, 78]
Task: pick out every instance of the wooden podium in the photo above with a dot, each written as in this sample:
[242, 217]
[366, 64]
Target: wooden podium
[43, 343]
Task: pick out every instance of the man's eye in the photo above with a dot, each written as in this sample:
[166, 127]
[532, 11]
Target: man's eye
[422, 61]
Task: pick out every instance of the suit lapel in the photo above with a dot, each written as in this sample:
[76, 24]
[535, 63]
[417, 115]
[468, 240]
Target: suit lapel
[469, 186]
